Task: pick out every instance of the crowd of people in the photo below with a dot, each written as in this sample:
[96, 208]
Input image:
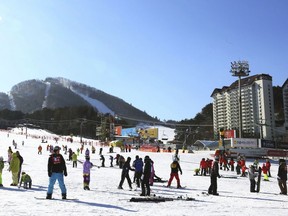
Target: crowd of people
[144, 173]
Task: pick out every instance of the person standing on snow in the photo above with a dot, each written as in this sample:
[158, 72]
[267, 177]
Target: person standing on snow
[14, 168]
[1, 169]
[56, 169]
[175, 168]
[74, 159]
[87, 165]
[268, 165]
[282, 177]
[138, 165]
[125, 173]
[252, 175]
[145, 185]
[213, 177]
[20, 165]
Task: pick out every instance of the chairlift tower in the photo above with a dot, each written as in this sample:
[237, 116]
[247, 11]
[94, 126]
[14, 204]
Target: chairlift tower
[240, 69]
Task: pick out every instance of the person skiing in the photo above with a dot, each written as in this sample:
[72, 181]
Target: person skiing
[145, 185]
[252, 175]
[56, 170]
[175, 168]
[111, 160]
[213, 177]
[102, 158]
[282, 177]
[87, 165]
[125, 173]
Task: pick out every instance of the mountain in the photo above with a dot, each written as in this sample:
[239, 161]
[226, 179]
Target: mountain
[33, 95]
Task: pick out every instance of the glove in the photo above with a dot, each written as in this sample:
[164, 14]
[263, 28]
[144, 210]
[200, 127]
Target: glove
[65, 173]
[219, 176]
[49, 174]
[181, 173]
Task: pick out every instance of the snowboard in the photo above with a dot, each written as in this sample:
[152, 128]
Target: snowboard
[258, 179]
[67, 199]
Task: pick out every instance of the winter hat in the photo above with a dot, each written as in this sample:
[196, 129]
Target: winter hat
[56, 148]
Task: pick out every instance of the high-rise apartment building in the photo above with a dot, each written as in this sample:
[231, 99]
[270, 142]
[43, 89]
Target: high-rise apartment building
[257, 107]
[285, 102]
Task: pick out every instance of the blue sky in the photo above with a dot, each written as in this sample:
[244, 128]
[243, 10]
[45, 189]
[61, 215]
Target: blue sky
[164, 57]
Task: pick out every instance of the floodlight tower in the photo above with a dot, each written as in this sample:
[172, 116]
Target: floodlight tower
[240, 69]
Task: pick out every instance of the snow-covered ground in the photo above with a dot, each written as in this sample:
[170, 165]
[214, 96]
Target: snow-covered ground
[105, 199]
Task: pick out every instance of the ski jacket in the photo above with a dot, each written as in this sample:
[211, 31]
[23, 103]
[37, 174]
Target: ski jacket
[215, 169]
[147, 170]
[15, 163]
[264, 169]
[74, 157]
[25, 178]
[175, 167]
[1, 166]
[268, 164]
[87, 165]
[282, 171]
[56, 164]
[203, 164]
[138, 165]
[126, 167]
[251, 173]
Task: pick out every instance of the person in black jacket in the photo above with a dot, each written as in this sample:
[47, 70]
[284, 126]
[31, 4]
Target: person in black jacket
[213, 177]
[175, 168]
[145, 177]
[56, 169]
[125, 174]
[282, 177]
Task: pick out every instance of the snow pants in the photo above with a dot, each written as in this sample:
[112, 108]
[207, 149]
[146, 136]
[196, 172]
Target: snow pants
[86, 179]
[252, 185]
[59, 177]
[283, 186]
[172, 175]
[123, 176]
[213, 186]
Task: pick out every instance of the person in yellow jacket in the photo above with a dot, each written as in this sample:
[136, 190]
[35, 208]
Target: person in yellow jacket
[74, 159]
[1, 169]
[14, 168]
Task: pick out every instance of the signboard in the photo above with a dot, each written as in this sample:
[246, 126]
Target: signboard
[148, 133]
[118, 131]
[244, 143]
[230, 134]
[268, 144]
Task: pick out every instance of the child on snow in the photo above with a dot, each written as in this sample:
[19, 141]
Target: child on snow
[27, 181]
[87, 165]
